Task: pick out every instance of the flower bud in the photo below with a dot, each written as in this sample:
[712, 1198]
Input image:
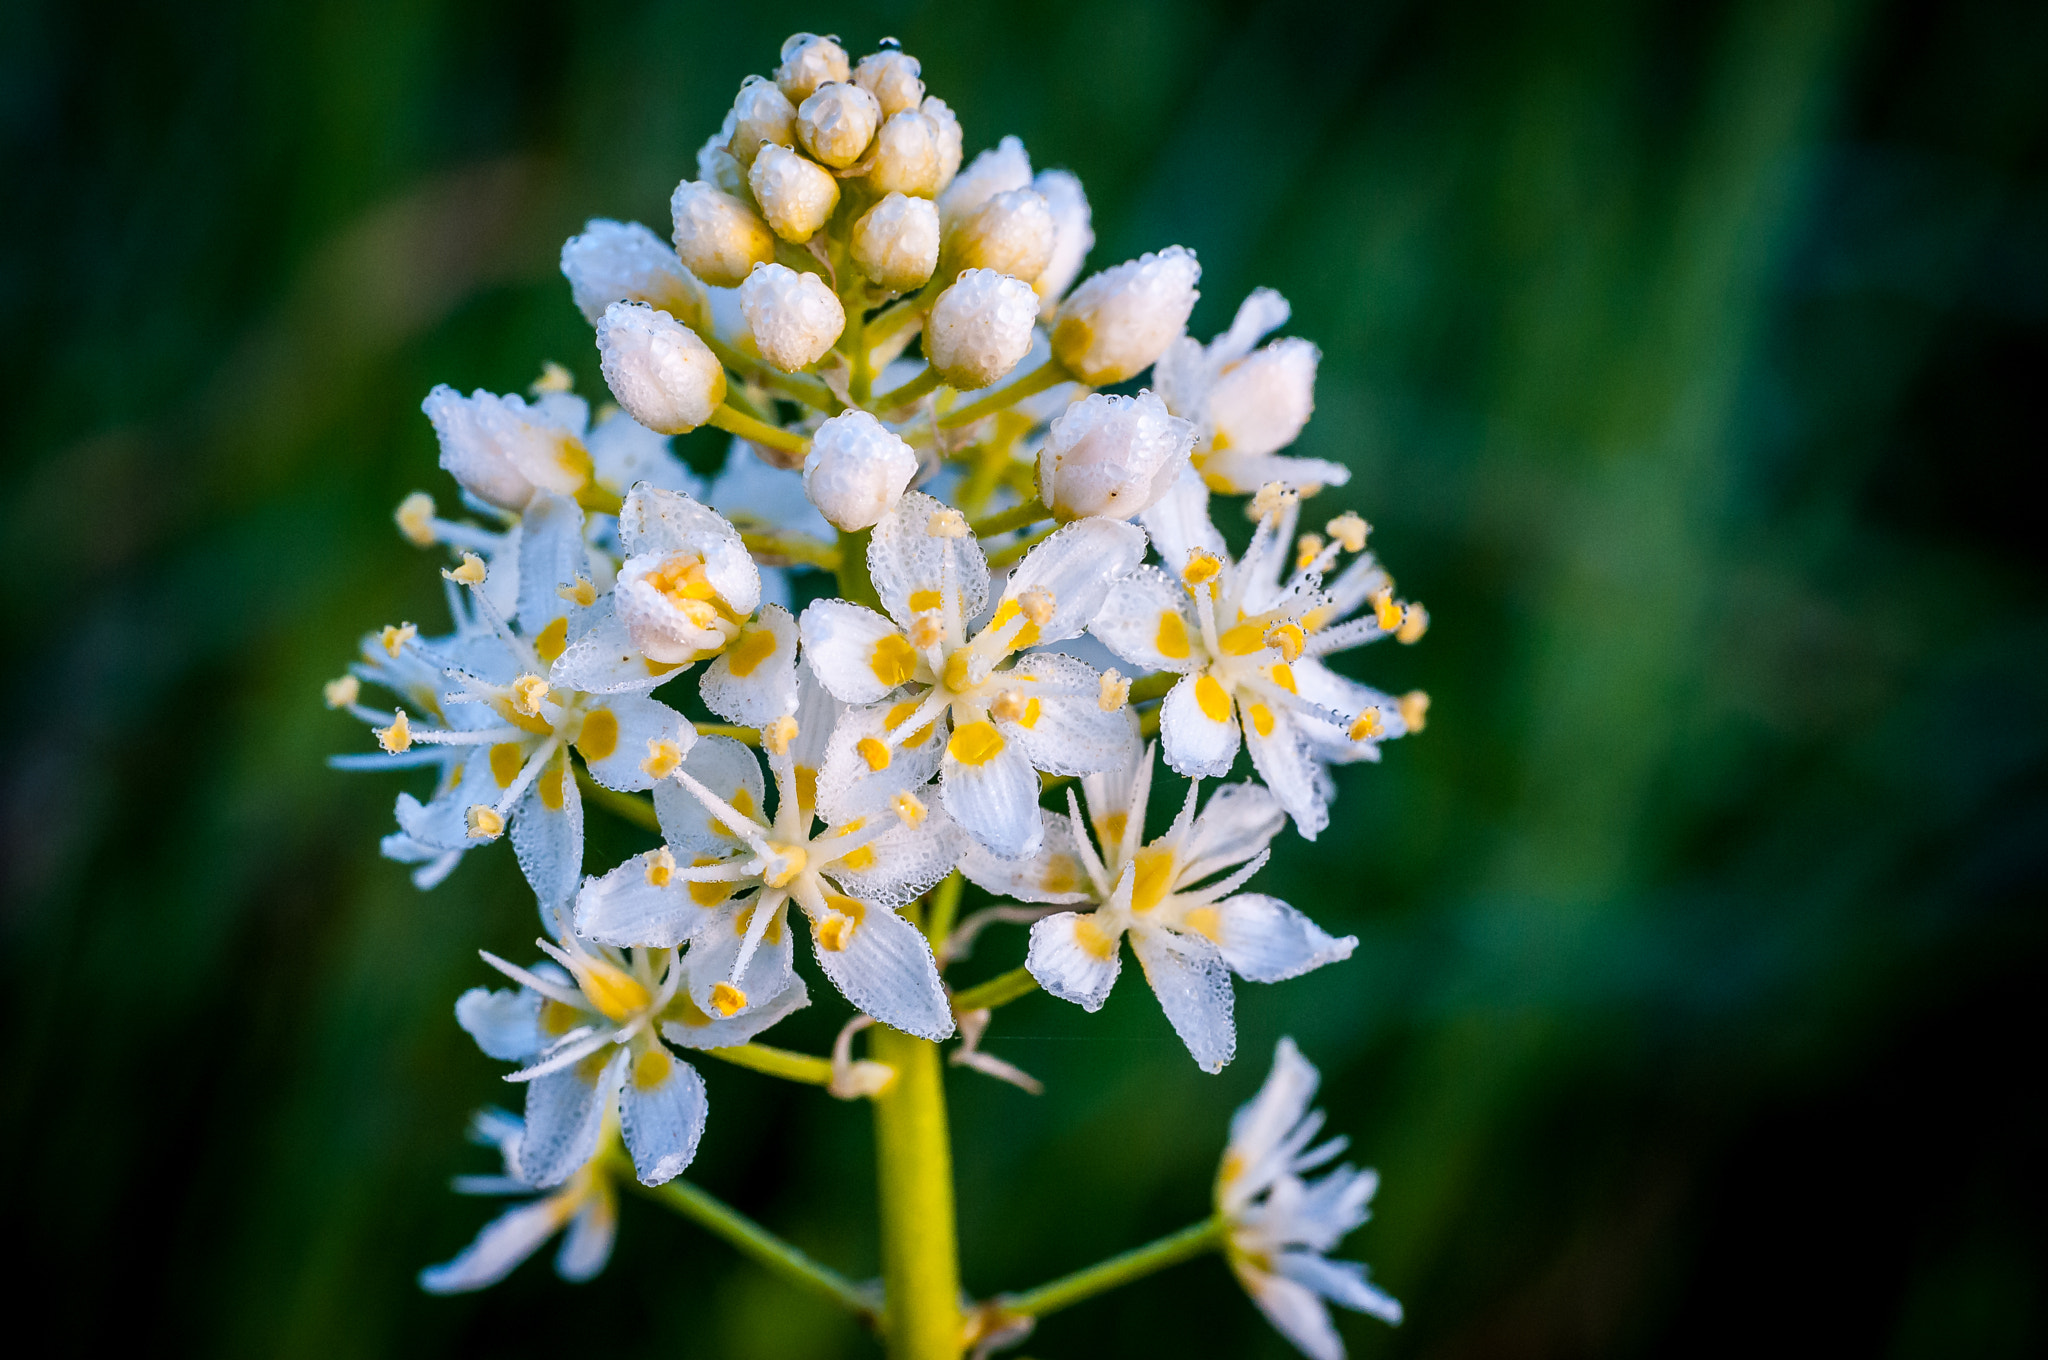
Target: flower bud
[856, 470]
[896, 242]
[1013, 233]
[625, 262]
[907, 156]
[665, 377]
[1112, 456]
[1122, 319]
[837, 123]
[1073, 236]
[1001, 167]
[1259, 404]
[892, 78]
[809, 61]
[794, 318]
[950, 140]
[980, 328]
[717, 235]
[502, 450]
[761, 116]
[796, 194]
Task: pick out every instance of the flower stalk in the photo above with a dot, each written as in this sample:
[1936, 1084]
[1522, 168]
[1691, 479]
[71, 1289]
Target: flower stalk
[914, 1173]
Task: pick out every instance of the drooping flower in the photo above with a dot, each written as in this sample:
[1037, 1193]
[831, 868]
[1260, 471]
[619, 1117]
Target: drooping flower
[1280, 1227]
[586, 1204]
[926, 677]
[1189, 928]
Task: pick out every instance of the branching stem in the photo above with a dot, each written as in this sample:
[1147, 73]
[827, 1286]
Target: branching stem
[999, 990]
[1190, 1242]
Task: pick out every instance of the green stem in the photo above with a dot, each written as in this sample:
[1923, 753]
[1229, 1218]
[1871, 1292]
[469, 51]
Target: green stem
[1016, 517]
[797, 386]
[1153, 686]
[914, 1171]
[760, 431]
[793, 547]
[999, 990]
[1003, 557]
[927, 379]
[854, 582]
[945, 909]
[1190, 1242]
[1051, 373]
[750, 735]
[777, 1062]
[757, 1242]
[633, 807]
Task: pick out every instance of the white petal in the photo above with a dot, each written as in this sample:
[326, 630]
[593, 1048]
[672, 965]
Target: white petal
[886, 970]
[623, 453]
[661, 1114]
[547, 836]
[996, 801]
[903, 862]
[817, 714]
[564, 1111]
[849, 788]
[1074, 957]
[1282, 759]
[1193, 986]
[1197, 745]
[588, 1243]
[904, 558]
[616, 746]
[1076, 565]
[1243, 473]
[729, 769]
[624, 908]
[716, 948]
[602, 658]
[443, 824]
[754, 681]
[506, 1240]
[1179, 523]
[551, 554]
[1141, 612]
[1054, 874]
[1295, 1311]
[505, 1023]
[1069, 733]
[839, 644]
[689, 1027]
[1265, 940]
[1342, 1282]
[1263, 1122]
[1239, 821]
[658, 521]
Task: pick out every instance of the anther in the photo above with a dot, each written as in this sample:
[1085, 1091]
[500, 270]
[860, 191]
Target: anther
[1386, 611]
[663, 756]
[553, 378]
[1009, 705]
[1289, 638]
[1307, 549]
[397, 737]
[1367, 726]
[1271, 499]
[394, 639]
[527, 692]
[1414, 623]
[947, 524]
[1415, 710]
[1350, 530]
[580, 591]
[485, 823]
[927, 631]
[342, 692]
[909, 810]
[1114, 693]
[416, 519]
[777, 736]
[1038, 605]
[728, 1000]
[470, 573]
[661, 867]
[1203, 566]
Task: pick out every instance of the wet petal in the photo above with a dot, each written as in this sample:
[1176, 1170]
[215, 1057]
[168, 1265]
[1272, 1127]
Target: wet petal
[587, 1246]
[661, 1114]
[505, 1023]
[621, 734]
[1238, 822]
[506, 1240]
[564, 1112]
[1076, 566]
[884, 966]
[1075, 957]
[729, 769]
[1263, 939]
[1192, 983]
[995, 799]
[1149, 621]
[856, 653]
[753, 681]
[1198, 745]
[1054, 874]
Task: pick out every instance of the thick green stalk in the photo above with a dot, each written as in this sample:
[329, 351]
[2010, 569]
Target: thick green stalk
[1016, 517]
[1185, 1245]
[746, 427]
[914, 1170]
[945, 909]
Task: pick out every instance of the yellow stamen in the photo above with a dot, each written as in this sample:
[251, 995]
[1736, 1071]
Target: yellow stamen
[416, 519]
[777, 736]
[394, 639]
[1212, 699]
[909, 809]
[1386, 611]
[484, 823]
[1010, 705]
[342, 692]
[1271, 499]
[835, 932]
[1414, 710]
[661, 866]
[728, 1000]
[397, 737]
[1038, 604]
[1203, 566]
[553, 378]
[663, 756]
[1306, 549]
[1289, 638]
[470, 573]
[1350, 530]
[527, 692]
[1114, 693]
[1367, 726]
[947, 524]
[927, 631]
[1414, 623]
[788, 863]
[977, 743]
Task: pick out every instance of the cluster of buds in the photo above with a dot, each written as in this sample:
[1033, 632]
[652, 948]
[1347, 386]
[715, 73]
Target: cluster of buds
[976, 522]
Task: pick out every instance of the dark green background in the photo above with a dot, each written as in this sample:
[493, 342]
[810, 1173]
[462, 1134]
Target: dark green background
[1691, 362]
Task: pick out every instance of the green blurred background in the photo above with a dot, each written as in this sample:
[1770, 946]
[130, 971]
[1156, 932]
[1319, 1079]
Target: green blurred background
[1689, 358]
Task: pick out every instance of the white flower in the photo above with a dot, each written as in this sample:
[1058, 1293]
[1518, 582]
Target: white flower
[1119, 321]
[586, 1031]
[1001, 167]
[1280, 1228]
[503, 449]
[1247, 403]
[761, 116]
[1073, 236]
[856, 470]
[796, 194]
[625, 262]
[725, 875]
[837, 122]
[809, 61]
[896, 242]
[891, 76]
[794, 318]
[1012, 233]
[1188, 934]
[1239, 637]
[948, 124]
[662, 373]
[931, 682]
[909, 155]
[586, 1204]
[1112, 456]
[719, 238]
[980, 328]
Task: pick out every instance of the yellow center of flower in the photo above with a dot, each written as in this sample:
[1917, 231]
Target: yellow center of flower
[976, 743]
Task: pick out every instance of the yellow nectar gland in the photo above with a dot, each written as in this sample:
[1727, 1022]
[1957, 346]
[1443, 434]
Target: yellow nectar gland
[1306, 549]
[909, 810]
[652, 1067]
[552, 640]
[1206, 921]
[835, 932]
[777, 736]
[610, 988]
[342, 692]
[1414, 710]
[1093, 938]
[553, 378]
[1202, 568]
[728, 1000]
[527, 692]
[976, 743]
[663, 756]
[470, 573]
[1386, 612]
[1414, 623]
[485, 823]
[1172, 637]
[1262, 719]
[1014, 705]
[874, 751]
[1212, 699]
[745, 656]
[1114, 693]
[416, 519]
[580, 591]
[710, 892]
[789, 862]
[1368, 725]
[947, 524]
[924, 601]
[1289, 638]
[661, 867]
[1153, 878]
[397, 737]
[394, 639]
[894, 660]
[1350, 530]
[1242, 639]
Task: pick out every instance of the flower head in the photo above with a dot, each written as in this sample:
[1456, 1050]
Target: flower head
[586, 1205]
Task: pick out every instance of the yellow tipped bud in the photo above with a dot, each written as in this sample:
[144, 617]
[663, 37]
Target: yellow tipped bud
[777, 736]
[947, 524]
[485, 823]
[1307, 549]
[728, 1000]
[527, 692]
[1203, 567]
[470, 573]
[1350, 530]
[1415, 710]
[1114, 694]
[1386, 611]
[663, 756]
[1289, 638]
[396, 738]
[582, 592]
[394, 639]
[342, 692]
[1414, 623]
[416, 519]
[1367, 726]
[909, 810]
[661, 867]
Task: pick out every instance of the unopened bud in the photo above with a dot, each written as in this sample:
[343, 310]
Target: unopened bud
[892, 78]
[908, 157]
[896, 242]
[660, 372]
[1260, 403]
[1012, 233]
[980, 328]
[625, 262]
[1112, 456]
[717, 166]
[836, 123]
[796, 194]
[1073, 236]
[1119, 321]
[950, 140]
[1002, 167]
[856, 470]
[761, 116]
[794, 318]
[809, 61]
[717, 235]
[502, 448]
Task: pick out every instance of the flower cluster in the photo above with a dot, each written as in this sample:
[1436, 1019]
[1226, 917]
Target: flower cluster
[911, 606]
